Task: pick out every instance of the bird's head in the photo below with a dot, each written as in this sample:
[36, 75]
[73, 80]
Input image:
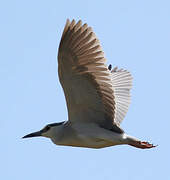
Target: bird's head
[47, 131]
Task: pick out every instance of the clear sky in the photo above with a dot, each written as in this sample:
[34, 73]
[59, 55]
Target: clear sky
[135, 35]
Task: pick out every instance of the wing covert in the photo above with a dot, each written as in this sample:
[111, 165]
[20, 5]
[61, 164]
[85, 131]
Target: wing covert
[88, 85]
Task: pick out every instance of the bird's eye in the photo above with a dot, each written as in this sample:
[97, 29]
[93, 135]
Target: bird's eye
[47, 128]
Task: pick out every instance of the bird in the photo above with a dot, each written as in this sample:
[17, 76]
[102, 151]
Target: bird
[97, 96]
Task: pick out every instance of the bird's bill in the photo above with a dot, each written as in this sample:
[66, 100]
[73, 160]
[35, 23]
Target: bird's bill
[34, 134]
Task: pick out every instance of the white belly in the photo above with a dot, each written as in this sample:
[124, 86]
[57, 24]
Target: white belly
[85, 142]
[88, 135]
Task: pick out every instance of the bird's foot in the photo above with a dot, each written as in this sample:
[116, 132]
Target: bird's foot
[143, 145]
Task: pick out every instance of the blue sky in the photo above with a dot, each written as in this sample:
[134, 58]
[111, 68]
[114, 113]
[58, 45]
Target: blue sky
[135, 35]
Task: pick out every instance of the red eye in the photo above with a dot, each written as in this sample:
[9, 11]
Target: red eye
[47, 128]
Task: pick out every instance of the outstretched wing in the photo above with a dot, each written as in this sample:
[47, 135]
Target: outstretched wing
[89, 87]
[122, 83]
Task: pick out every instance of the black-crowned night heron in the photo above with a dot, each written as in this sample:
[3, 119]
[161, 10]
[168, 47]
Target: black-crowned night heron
[97, 96]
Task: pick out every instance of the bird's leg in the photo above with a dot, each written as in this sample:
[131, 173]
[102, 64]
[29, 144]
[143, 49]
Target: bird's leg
[132, 141]
[142, 145]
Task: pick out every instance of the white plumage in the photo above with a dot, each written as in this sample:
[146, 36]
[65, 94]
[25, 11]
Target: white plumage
[97, 97]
